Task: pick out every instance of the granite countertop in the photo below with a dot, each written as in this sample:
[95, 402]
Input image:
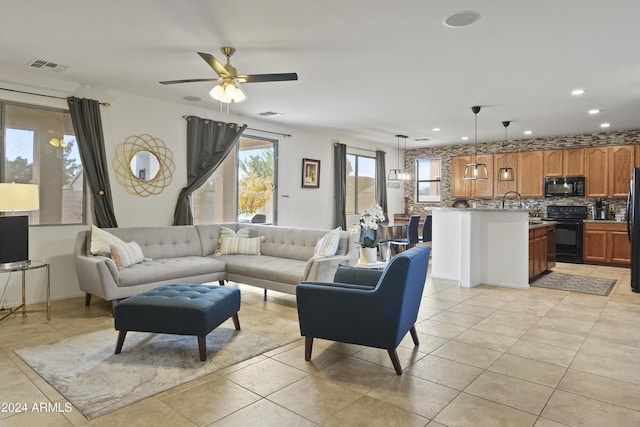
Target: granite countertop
[605, 221]
[481, 209]
[542, 224]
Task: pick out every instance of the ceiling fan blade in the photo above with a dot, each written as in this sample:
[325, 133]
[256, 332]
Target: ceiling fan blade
[170, 82]
[258, 78]
[215, 64]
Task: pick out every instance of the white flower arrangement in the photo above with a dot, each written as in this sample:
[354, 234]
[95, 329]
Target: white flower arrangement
[371, 217]
[369, 220]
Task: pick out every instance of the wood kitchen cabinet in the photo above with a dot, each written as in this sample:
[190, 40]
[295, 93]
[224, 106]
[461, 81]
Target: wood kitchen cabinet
[471, 188]
[596, 165]
[569, 162]
[573, 162]
[621, 161]
[530, 174]
[553, 163]
[501, 160]
[606, 243]
[608, 170]
[539, 251]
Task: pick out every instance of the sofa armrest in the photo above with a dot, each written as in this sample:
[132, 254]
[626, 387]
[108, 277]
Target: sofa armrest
[97, 275]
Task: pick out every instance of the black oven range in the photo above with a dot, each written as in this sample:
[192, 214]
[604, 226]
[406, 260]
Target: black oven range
[568, 231]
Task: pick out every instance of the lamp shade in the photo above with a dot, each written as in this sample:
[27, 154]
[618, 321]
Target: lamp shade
[19, 197]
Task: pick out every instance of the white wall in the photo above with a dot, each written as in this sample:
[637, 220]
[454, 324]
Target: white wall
[134, 115]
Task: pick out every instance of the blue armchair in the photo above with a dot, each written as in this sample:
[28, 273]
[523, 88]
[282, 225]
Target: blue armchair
[365, 307]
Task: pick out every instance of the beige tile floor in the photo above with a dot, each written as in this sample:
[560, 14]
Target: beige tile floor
[488, 356]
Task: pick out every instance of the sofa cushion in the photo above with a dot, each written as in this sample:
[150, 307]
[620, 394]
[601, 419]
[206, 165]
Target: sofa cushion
[265, 267]
[101, 241]
[126, 254]
[163, 242]
[164, 269]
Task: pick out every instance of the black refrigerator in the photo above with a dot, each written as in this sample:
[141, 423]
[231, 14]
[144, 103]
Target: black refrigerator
[633, 228]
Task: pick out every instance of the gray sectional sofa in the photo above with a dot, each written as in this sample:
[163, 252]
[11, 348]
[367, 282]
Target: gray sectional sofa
[186, 254]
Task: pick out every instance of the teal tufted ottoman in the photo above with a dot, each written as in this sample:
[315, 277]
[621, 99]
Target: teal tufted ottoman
[178, 309]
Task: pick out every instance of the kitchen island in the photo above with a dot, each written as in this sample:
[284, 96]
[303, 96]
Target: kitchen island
[481, 246]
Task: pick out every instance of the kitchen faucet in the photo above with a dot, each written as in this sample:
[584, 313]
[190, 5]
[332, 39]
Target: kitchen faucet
[514, 192]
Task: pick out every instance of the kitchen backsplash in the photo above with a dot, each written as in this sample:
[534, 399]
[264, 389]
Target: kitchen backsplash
[446, 152]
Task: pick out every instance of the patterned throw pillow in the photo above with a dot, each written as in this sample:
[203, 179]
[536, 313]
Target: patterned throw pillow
[126, 254]
[100, 241]
[328, 244]
[243, 233]
[240, 245]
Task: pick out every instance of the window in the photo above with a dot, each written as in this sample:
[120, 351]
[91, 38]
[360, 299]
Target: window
[243, 185]
[39, 147]
[427, 180]
[361, 183]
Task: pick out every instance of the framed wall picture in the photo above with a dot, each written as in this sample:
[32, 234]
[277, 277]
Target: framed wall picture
[310, 173]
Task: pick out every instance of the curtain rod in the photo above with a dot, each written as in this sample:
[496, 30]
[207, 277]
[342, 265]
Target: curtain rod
[286, 135]
[106, 104]
[362, 149]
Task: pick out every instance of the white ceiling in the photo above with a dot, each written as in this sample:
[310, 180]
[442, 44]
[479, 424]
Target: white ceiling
[367, 69]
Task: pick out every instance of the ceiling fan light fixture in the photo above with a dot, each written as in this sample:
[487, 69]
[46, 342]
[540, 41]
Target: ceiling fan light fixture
[227, 91]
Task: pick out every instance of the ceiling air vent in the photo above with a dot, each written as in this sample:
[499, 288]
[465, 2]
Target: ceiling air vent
[270, 114]
[46, 65]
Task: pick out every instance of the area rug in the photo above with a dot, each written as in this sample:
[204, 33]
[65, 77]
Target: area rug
[572, 283]
[96, 381]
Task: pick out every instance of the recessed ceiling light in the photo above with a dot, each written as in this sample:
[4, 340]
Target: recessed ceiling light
[464, 138]
[605, 125]
[461, 19]
[436, 129]
[191, 98]
[594, 111]
[577, 92]
[528, 132]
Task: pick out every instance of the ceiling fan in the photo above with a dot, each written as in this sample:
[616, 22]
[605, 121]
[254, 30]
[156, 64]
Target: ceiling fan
[228, 88]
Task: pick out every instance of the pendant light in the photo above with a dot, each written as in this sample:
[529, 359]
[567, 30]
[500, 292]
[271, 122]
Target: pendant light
[406, 176]
[398, 174]
[505, 173]
[476, 171]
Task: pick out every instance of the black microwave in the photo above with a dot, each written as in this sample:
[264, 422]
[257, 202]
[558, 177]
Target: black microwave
[567, 186]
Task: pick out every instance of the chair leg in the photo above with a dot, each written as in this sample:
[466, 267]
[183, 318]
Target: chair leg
[236, 321]
[87, 299]
[308, 347]
[395, 361]
[265, 295]
[202, 347]
[121, 337]
[414, 335]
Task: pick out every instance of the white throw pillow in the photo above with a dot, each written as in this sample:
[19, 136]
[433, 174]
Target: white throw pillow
[240, 245]
[100, 241]
[328, 244]
[126, 254]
